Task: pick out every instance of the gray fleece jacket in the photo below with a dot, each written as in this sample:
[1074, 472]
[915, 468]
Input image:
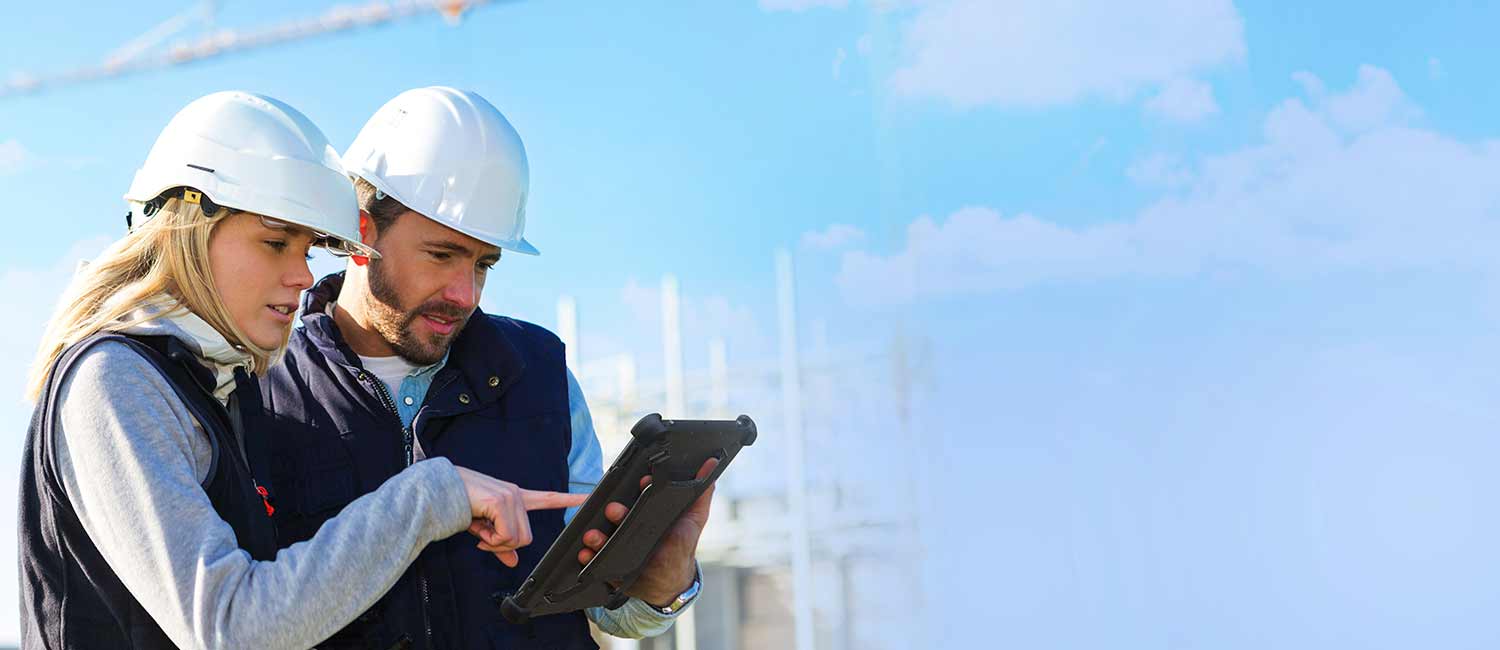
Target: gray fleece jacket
[132, 458]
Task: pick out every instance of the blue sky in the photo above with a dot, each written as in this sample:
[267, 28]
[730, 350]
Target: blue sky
[1209, 287]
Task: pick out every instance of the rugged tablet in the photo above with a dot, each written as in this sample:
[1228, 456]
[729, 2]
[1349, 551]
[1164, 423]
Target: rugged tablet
[671, 451]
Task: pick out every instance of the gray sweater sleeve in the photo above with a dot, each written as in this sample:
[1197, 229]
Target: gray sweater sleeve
[130, 458]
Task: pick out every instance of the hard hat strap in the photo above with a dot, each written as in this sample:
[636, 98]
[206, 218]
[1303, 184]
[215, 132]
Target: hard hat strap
[187, 194]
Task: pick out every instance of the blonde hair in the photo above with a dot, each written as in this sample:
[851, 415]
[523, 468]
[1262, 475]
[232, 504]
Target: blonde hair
[166, 255]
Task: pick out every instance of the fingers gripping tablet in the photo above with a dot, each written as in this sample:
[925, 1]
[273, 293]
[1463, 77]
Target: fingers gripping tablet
[669, 451]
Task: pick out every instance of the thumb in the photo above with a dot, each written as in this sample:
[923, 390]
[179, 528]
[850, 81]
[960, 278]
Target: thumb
[698, 512]
[509, 558]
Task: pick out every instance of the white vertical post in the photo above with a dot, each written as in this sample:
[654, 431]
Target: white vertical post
[671, 338]
[796, 480]
[916, 478]
[718, 379]
[625, 375]
[685, 630]
[733, 618]
[718, 407]
[624, 413]
[567, 328]
[685, 636]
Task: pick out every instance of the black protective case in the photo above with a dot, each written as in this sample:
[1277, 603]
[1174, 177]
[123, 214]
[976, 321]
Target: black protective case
[671, 451]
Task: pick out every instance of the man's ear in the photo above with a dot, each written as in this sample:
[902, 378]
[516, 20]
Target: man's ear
[367, 236]
[367, 230]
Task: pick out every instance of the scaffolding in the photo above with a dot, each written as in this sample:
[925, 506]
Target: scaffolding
[813, 543]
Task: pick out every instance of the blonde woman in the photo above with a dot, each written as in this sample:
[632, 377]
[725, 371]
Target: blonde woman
[143, 524]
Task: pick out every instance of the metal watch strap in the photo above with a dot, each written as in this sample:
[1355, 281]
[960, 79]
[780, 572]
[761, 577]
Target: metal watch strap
[683, 599]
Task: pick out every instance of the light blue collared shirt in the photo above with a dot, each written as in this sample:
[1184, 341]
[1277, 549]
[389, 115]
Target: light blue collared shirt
[634, 620]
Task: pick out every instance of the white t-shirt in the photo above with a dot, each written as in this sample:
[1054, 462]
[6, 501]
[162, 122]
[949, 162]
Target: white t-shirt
[391, 370]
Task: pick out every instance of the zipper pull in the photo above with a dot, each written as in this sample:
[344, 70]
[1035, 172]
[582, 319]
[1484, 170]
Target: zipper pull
[265, 497]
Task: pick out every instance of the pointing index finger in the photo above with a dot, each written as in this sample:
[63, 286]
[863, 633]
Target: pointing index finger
[543, 500]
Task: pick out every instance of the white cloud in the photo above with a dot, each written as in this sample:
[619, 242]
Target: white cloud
[1183, 100]
[834, 236]
[974, 250]
[1159, 170]
[1375, 101]
[801, 5]
[13, 156]
[1039, 53]
[1342, 180]
[838, 62]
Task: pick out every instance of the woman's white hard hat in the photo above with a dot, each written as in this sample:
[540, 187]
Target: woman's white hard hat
[452, 157]
[255, 154]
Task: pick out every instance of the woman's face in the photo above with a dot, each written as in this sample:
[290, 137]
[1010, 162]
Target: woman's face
[260, 269]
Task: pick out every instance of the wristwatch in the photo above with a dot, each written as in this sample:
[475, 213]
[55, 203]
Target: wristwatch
[685, 597]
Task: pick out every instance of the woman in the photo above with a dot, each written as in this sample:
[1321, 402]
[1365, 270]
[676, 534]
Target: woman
[142, 523]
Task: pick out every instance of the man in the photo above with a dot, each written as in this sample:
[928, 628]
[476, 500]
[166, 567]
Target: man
[395, 363]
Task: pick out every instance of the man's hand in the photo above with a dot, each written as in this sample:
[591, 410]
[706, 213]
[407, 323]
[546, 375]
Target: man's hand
[670, 569]
[499, 509]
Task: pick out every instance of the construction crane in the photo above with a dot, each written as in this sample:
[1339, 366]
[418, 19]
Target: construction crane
[154, 49]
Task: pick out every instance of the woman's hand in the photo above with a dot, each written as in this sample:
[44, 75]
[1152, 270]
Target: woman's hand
[499, 509]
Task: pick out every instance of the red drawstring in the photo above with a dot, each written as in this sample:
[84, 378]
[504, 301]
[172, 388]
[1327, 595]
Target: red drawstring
[265, 497]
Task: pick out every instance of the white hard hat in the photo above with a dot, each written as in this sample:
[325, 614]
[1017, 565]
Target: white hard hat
[450, 156]
[255, 154]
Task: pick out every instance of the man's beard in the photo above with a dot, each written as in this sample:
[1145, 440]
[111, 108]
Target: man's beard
[394, 322]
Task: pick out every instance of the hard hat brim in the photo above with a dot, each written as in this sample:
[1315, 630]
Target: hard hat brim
[517, 245]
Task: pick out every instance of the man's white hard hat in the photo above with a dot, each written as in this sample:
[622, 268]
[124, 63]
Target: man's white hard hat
[256, 154]
[452, 157]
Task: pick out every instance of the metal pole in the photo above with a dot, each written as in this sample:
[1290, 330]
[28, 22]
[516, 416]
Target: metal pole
[686, 635]
[718, 379]
[625, 374]
[624, 414]
[916, 480]
[685, 630]
[796, 480]
[671, 339]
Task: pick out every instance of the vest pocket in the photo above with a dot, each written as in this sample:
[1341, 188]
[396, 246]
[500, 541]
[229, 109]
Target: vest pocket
[327, 488]
[312, 482]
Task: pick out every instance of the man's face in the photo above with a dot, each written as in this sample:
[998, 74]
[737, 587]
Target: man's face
[425, 285]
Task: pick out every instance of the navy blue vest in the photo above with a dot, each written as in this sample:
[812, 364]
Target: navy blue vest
[499, 406]
[70, 597]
